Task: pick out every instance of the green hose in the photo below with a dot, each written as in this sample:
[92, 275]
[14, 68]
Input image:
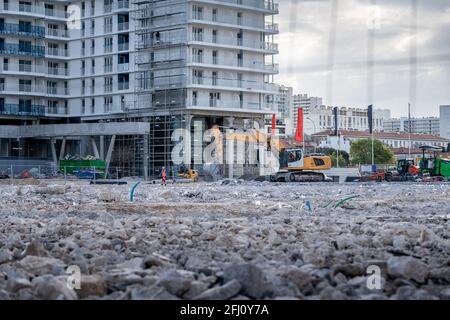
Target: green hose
[345, 200]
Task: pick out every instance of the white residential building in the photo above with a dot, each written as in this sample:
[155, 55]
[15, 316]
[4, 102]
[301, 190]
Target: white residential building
[322, 118]
[444, 121]
[120, 60]
[306, 103]
[430, 125]
[53, 71]
[326, 139]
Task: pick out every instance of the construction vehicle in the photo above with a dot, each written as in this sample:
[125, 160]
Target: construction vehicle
[434, 168]
[295, 166]
[406, 171]
[190, 174]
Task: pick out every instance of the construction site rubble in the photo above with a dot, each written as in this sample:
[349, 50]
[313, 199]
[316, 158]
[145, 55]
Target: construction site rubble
[229, 239]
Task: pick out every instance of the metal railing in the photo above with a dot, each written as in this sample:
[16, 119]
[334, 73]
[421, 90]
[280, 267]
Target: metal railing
[22, 50]
[21, 30]
[20, 110]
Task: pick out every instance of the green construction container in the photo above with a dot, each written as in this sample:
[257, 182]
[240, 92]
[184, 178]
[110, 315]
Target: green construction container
[69, 166]
[443, 168]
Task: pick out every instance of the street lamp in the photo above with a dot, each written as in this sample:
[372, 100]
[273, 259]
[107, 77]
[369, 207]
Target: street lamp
[314, 124]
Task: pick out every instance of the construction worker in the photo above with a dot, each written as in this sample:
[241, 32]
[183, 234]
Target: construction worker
[164, 176]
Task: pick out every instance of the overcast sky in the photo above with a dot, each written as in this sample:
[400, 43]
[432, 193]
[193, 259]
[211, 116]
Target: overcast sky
[306, 56]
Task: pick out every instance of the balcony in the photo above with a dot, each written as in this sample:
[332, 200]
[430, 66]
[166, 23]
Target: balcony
[40, 69]
[122, 26]
[119, 5]
[56, 52]
[266, 5]
[122, 67]
[232, 84]
[58, 33]
[124, 46]
[34, 90]
[234, 21]
[269, 47]
[14, 49]
[256, 66]
[20, 110]
[227, 104]
[20, 30]
[123, 85]
[25, 8]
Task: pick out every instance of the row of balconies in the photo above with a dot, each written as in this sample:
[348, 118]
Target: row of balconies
[107, 28]
[226, 104]
[209, 40]
[231, 19]
[268, 5]
[118, 5]
[121, 67]
[28, 9]
[22, 30]
[10, 109]
[233, 83]
[26, 68]
[16, 49]
[253, 65]
[34, 89]
[176, 81]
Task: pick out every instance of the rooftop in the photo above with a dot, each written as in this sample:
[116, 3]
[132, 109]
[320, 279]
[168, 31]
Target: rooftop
[382, 135]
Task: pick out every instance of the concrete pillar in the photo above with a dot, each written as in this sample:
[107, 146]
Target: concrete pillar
[102, 147]
[94, 148]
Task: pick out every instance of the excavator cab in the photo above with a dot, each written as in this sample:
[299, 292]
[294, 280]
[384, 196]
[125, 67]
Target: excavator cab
[291, 158]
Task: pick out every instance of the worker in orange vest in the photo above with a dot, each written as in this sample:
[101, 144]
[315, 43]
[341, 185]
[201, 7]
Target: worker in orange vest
[164, 176]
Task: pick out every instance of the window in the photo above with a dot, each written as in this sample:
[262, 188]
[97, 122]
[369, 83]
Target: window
[24, 85]
[198, 34]
[214, 36]
[214, 78]
[197, 12]
[92, 46]
[92, 105]
[197, 55]
[214, 98]
[24, 66]
[108, 24]
[83, 106]
[108, 64]
[108, 44]
[194, 98]
[108, 104]
[198, 76]
[108, 84]
[239, 18]
[215, 57]
[214, 14]
[52, 107]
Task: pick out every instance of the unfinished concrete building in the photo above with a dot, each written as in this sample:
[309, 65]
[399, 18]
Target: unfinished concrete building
[167, 64]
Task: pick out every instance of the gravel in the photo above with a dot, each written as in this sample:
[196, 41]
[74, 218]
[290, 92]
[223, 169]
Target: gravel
[225, 240]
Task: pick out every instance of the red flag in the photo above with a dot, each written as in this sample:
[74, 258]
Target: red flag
[299, 132]
[274, 124]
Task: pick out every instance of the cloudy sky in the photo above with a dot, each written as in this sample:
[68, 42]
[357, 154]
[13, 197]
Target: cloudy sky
[343, 74]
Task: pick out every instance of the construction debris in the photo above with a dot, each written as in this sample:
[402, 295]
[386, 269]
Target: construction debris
[225, 240]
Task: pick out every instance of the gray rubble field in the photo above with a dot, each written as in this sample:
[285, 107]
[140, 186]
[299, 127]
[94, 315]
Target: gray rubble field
[225, 240]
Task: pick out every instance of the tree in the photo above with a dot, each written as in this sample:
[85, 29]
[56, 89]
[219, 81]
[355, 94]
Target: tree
[342, 161]
[361, 152]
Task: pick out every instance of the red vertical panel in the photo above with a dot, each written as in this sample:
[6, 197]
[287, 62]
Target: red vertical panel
[274, 124]
[299, 132]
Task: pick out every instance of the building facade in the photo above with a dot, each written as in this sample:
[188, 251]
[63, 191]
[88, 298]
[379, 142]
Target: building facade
[444, 128]
[166, 63]
[391, 139]
[321, 118]
[306, 103]
[430, 125]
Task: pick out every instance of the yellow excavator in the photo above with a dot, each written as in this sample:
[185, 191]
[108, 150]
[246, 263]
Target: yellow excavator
[300, 167]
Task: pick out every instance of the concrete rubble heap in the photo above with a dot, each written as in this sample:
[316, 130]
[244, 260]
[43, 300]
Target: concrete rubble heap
[245, 240]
